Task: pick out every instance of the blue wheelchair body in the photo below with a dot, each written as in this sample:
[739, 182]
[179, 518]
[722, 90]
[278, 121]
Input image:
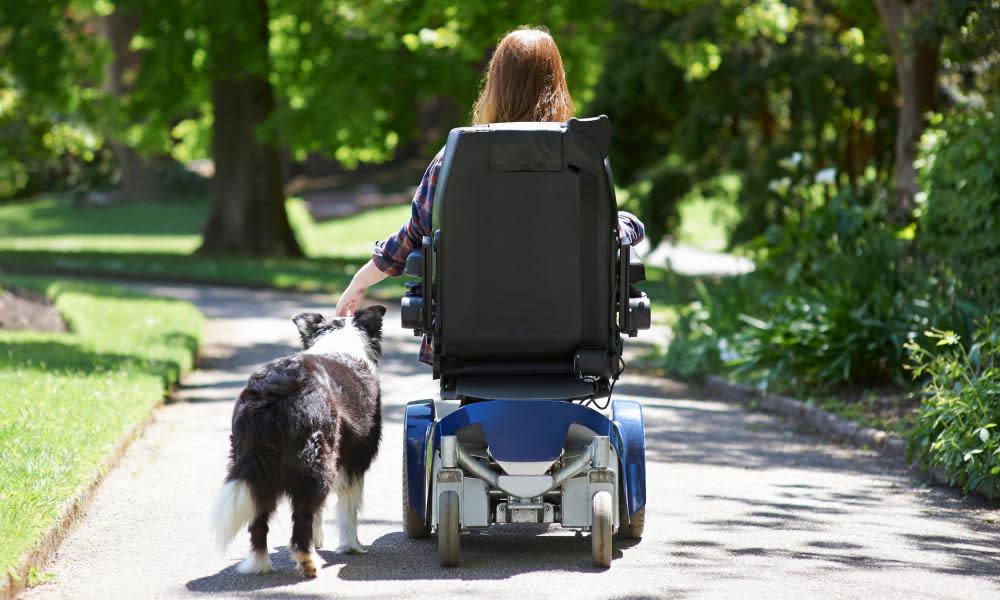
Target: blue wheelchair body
[527, 342]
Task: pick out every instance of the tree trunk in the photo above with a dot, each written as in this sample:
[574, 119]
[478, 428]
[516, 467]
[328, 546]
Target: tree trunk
[248, 203]
[916, 62]
[137, 175]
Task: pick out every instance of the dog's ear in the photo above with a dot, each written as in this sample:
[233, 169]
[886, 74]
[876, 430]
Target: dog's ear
[307, 324]
[370, 319]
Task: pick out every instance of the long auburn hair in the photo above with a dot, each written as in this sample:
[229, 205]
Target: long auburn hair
[525, 81]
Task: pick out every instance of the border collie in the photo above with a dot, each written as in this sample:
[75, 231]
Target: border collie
[304, 425]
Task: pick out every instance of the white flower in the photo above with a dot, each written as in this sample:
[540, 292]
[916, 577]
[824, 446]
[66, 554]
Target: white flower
[828, 175]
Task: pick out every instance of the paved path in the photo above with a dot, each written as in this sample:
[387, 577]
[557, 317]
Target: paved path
[740, 506]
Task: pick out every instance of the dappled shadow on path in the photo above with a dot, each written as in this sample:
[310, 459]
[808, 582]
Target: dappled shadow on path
[797, 499]
[492, 553]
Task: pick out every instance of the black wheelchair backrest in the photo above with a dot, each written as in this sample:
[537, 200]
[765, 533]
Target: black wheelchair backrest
[525, 251]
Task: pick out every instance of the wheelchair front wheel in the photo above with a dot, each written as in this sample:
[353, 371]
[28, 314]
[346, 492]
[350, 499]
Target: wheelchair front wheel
[602, 528]
[448, 529]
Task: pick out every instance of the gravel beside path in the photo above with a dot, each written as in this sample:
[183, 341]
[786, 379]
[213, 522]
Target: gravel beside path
[740, 504]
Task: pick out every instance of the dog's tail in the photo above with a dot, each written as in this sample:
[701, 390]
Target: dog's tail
[234, 509]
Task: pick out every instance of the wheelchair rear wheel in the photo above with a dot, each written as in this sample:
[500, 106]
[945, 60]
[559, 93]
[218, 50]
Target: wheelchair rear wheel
[602, 528]
[630, 528]
[414, 526]
[448, 529]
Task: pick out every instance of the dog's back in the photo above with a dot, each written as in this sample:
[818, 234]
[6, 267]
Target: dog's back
[303, 415]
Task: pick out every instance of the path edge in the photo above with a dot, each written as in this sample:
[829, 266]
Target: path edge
[886, 443]
[41, 553]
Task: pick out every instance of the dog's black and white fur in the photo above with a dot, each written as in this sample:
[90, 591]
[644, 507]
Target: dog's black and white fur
[304, 425]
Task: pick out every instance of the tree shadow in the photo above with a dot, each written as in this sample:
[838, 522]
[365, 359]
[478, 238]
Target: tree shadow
[490, 554]
[65, 357]
[494, 553]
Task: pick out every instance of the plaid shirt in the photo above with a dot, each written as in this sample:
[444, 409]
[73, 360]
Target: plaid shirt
[390, 255]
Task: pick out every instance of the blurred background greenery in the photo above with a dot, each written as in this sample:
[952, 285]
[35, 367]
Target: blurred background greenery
[850, 148]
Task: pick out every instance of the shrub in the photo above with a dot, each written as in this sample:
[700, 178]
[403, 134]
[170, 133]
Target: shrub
[960, 223]
[839, 289]
[694, 351]
[957, 428]
[840, 302]
[705, 327]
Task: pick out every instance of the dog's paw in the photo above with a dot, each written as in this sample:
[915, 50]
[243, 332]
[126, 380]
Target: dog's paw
[257, 563]
[351, 548]
[306, 564]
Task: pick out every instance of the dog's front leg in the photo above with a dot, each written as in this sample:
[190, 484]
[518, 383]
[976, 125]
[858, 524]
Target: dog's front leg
[350, 492]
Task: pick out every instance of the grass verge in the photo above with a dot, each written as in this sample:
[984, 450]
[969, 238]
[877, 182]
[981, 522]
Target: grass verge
[67, 398]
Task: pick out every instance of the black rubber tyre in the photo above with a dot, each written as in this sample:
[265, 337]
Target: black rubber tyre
[601, 529]
[414, 526]
[448, 529]
[630, 529]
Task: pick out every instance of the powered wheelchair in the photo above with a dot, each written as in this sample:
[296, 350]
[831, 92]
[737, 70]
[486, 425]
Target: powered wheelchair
[524, 291]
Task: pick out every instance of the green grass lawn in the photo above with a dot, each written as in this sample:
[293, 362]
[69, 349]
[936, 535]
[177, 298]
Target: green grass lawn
[67, 398]
[156, 239]
[707, 216]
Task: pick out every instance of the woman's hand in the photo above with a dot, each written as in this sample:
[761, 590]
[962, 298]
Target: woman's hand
[350, 301]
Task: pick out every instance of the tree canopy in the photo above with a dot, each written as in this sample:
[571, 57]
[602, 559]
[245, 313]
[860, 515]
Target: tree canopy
[759, 89]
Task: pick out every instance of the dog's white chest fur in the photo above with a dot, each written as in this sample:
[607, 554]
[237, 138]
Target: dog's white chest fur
[347, 340]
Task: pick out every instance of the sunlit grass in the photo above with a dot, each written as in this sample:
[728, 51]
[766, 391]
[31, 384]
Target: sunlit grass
[174, 227]
[156, 239]
[708, 214]
[66, 398]
[352, 236]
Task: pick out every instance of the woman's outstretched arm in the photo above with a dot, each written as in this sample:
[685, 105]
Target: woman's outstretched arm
[352, 297]
[389, 256]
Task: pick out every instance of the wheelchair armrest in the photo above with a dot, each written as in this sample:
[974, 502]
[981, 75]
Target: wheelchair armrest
[415, 306]
[636, 270]
[633, 306]
[415, 264]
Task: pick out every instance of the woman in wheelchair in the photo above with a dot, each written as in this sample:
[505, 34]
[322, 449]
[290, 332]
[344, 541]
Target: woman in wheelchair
[525, 276]
[525, 81]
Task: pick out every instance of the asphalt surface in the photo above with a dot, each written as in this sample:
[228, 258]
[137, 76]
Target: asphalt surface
[740, 505]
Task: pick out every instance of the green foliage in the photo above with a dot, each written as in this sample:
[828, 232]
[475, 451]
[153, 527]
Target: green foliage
[738, 87]
[840, 304]
[960, 222]
[66, 398]
[835, 296]
[50, 97]
[701, 336]
[957, 429]
[353, 80]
